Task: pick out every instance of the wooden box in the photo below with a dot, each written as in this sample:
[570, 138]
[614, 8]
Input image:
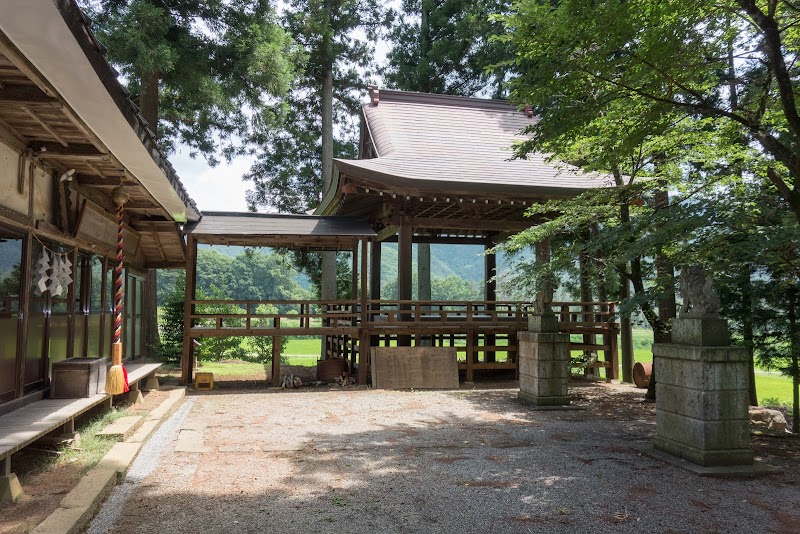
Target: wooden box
[203, 381]
[78, 377]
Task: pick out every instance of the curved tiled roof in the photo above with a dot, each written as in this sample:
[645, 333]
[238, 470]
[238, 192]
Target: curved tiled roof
[457, 145]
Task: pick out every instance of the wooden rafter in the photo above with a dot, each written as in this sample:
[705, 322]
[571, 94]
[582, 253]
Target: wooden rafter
[44, 125]
[24, 94]
[54, 150]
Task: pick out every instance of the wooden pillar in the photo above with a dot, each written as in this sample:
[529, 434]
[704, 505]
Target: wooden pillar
[375, 271]
[187, 359]
[424, 283]
[354, 272]
[24, 306]
[375, 282]
[276, 359]
[490, 294]
[71, 322]
[363, 337]
[626, 333]
[404, 278]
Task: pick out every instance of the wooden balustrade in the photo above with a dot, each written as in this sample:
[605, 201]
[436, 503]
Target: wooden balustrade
[471, 326]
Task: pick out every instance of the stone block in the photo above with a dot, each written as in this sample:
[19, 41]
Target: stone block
[537, 400]
[10, 488]
[707, 435]
[698, 404]
[543, 387]
[544, 369]
[543, 323]
[91, 488]
[700, 331]
[151, 384]
[704, 457]
[701, 375]
[123, 427]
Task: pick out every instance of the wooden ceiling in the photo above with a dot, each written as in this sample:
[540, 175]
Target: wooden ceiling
[38, 123]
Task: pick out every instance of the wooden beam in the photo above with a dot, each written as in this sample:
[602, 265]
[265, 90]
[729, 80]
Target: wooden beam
[54, 150]
[471, 224]
[25, 94]
[44, 125]
[386, 233]
[12, 136]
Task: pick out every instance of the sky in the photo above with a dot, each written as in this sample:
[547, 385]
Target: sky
[217, 188]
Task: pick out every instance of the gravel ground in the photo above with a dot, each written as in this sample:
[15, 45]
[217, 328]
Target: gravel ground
[320, 460]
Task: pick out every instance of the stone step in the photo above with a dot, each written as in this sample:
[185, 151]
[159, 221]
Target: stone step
[122, 428]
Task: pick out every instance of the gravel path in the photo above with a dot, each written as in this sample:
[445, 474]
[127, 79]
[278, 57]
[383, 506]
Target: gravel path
[465, 461]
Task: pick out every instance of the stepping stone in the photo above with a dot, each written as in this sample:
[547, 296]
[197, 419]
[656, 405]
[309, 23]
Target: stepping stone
[122, 428]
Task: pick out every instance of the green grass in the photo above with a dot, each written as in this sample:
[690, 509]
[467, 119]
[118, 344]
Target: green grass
[772, 388]
[92, 447]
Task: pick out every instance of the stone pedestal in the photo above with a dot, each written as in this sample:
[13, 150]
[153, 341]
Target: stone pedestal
[702, 395]
[543, 366]
[10, 490]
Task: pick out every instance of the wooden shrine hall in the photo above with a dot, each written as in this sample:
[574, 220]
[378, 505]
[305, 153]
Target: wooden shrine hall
[433, 169]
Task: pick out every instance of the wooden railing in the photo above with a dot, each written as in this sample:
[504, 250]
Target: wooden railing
[474, 327]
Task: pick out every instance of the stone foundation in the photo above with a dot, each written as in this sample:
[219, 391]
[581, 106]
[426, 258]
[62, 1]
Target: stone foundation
[702, 396]
[543, 368]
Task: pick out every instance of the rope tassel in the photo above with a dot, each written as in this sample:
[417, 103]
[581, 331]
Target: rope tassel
[117, 377]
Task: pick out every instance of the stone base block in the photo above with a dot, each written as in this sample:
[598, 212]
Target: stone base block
[704, 457]
[10, 488]
[135, 396]
[543, 387]
[543, 323]
[708, 435]
[151, 384]
[700, 331]
[537, 400]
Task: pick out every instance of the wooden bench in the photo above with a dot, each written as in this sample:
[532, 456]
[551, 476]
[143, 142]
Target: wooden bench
[23, 426]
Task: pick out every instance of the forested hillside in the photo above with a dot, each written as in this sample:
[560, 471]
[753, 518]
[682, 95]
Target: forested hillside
[265, 274]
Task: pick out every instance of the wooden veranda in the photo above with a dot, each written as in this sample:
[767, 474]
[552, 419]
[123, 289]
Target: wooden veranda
[483, 332]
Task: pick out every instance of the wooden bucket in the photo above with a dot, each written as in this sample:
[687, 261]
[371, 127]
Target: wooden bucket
[331, 369]
[641, 374]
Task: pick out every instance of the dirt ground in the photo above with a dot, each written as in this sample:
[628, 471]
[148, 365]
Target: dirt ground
[46, 479]
[324, 459]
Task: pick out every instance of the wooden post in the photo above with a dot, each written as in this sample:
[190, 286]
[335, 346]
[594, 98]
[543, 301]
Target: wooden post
[276, 358]
[490, 294]
[364, 340]
[354, 272]
[24, 306]
[375, 283]
[470, 355]
[363, 357]
[404, 279]
[188, 310]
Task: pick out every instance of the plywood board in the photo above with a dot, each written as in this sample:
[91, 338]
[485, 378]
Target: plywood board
[414, 367]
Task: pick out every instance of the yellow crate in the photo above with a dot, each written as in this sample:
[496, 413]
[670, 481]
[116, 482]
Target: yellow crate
[204, 381]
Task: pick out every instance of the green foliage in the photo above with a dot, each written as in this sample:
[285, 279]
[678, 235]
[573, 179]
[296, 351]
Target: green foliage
[287, 175]
[220, 64]
[219, 348]
[171, 323]
[445, 47]
[451, 287]
[263, 344]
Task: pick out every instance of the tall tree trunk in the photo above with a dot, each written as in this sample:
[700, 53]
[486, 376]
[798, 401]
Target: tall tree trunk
[148, 104]
[794, 347]
[746, 288]
[328, 280]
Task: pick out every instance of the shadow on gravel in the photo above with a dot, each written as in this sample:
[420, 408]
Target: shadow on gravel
[489, 464]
